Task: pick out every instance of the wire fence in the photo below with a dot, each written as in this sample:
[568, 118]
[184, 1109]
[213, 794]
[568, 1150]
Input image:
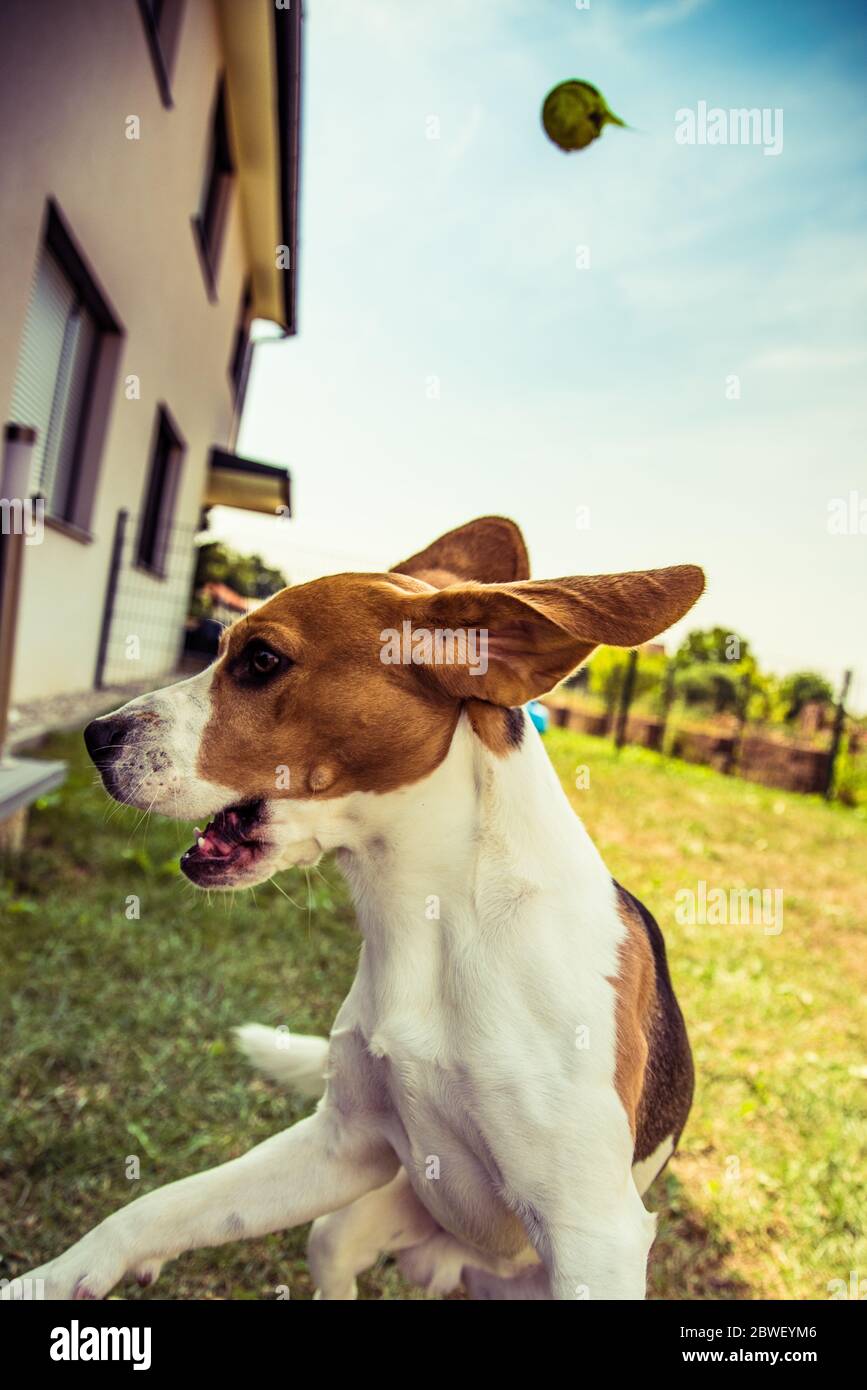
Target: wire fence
[146, 604]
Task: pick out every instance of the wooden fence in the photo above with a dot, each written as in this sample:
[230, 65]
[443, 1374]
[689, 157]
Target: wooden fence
[753, 754]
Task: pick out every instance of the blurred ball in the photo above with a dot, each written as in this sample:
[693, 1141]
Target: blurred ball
[574, 113]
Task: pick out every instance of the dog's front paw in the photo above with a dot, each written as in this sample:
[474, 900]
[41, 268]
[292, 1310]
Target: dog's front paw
[87, 1270]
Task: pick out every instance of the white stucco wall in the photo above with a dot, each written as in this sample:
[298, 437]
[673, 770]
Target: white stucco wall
[74, 70]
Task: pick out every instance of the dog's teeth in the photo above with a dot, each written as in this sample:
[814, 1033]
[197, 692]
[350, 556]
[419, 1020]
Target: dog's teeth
[201, 842]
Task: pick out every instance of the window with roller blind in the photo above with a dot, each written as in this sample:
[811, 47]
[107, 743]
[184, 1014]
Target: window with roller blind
[65, 366]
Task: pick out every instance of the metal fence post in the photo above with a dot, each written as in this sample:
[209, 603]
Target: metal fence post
[110, 596]
[741, 711]
[667, 702]
[18, 442]
[837, 734]
[625, 698]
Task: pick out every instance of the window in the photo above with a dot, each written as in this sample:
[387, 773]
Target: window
[210, 222]
[240, 359]
[65, 369]
[162, 26]
[161, 492]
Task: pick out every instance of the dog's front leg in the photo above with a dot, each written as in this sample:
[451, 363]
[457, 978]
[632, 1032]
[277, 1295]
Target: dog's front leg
[316, 1166]
[598, 1253]
[579, 1201]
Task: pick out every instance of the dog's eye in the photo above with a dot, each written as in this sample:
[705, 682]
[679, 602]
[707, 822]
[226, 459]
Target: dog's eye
[261, 662]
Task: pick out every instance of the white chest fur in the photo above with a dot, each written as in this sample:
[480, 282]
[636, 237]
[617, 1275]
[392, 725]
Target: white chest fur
[481, 1022]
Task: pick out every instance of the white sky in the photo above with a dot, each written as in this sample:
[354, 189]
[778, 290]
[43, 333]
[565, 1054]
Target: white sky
[560, 387]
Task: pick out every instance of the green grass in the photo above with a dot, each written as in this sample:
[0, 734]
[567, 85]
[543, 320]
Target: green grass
[116, 1031]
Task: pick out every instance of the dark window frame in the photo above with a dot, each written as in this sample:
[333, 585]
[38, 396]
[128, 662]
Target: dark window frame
[209, 223]
[162, 481]
[92, 424]
[239, 361]
[162, 26]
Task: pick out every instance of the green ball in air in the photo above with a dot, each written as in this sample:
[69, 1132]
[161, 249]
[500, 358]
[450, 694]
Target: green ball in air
[574, 113]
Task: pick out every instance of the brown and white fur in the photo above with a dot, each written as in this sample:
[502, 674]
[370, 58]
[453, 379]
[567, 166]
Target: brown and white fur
[510, 1069]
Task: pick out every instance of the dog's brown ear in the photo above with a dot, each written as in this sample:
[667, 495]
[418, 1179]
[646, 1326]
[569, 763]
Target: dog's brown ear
[490, 550]
[521, 639]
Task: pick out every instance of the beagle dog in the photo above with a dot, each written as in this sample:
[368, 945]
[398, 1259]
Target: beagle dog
[510, 1069]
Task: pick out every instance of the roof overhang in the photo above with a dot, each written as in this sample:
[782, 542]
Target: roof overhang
[262, 50]
[232, 481]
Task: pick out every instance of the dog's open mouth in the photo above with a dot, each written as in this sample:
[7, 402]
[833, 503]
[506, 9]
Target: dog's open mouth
[229, 845]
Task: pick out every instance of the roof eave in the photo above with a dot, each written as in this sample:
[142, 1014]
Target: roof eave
[288, 48]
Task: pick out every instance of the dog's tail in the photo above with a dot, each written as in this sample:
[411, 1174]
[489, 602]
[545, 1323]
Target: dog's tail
[293, 1059]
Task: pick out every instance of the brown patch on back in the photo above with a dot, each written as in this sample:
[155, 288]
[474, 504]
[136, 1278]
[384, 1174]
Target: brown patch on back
[669, 1075]
[635, 988]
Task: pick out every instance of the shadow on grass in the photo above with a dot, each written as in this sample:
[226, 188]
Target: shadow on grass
[690, 1257]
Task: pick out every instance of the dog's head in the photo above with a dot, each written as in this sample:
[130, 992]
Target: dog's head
[355, 684]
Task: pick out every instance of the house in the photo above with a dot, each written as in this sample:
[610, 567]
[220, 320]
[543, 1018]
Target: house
[149, 156]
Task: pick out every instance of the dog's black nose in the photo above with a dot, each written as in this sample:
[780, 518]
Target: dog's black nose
[103, 737]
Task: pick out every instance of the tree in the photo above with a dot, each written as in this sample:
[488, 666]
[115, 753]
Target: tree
[607, 671]
[248, 575]
[710, 683]
[716, 667]
[716, 645]
[800, 689]
[763, 698]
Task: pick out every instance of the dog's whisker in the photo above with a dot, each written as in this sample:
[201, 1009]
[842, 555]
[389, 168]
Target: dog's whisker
[177, 821]
[143, 817]
[309, 901]
[116, 804]
[273, 880]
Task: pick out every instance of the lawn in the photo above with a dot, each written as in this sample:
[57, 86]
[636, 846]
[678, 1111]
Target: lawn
[116, 1027]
